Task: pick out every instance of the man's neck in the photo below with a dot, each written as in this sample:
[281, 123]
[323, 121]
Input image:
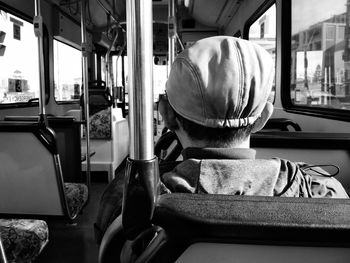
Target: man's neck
[188, 142]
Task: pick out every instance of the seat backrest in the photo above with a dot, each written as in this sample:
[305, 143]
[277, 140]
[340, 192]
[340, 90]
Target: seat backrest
[31, 179]
[68, 133]
[220, 228]
[100, 97]
[250, 223]
[246, 253]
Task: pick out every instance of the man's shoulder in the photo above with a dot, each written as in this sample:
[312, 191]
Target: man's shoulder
[311, 180]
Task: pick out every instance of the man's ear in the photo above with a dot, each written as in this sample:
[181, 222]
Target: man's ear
[265, 116]
[168, 115]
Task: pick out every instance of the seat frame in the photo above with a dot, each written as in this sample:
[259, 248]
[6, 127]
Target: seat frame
[46, 137]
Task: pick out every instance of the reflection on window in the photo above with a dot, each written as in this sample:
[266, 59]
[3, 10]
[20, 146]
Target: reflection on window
[263, 32]
[68, 72]
[320, 66]
[19, 68]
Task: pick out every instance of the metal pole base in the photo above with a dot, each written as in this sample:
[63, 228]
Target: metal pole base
[140, 194]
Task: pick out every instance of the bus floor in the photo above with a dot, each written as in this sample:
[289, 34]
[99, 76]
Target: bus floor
[74, 243]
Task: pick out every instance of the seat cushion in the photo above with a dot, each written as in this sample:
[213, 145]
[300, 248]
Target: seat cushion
[23, 239]
[100, 125]
[76, 195]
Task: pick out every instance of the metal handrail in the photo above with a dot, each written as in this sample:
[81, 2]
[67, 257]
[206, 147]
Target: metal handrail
[38, 30]
[140, 57]
[84, 53]
[171, 33]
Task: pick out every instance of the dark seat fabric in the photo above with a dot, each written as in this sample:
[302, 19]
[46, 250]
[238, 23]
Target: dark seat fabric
[76, 195]
[100, 124]
[186, 219]
[192, 218]
[23, 239]
[228, 218]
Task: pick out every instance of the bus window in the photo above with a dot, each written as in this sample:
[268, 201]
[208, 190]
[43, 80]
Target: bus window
[320, 54]
[103, 68]
[263, 32]
[117, 67]
[19, 68]
[159, 76]
[68, 74]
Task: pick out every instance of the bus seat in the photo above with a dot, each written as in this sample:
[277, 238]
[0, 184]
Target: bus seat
[31, 178]
[100, 97]
[109, 152]
[23, 239]
[76, 195]
[190, 219]
[100, 103]
[100, 124]
[265, 224]
[68, 132]
[76, 114]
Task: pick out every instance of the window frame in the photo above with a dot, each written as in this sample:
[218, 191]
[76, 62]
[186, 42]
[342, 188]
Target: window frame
[288, 106]
[238, 34]
[59, 102]
[46, 44]
[256, 15]
[252, 19]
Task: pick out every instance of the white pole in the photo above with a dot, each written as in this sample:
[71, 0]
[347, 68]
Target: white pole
[38, 30]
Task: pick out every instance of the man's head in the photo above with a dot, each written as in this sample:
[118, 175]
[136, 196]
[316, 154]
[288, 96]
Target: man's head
[217, 92]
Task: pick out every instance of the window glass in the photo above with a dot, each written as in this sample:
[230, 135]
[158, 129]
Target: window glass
[117, 67]
[320, 54]
[160, 76]
[103, 68]
[68, 72]
[19, 66]
[263, 32]
[126, 69]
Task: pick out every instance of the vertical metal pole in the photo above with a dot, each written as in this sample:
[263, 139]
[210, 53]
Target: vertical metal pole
[38, 30]
[171, 32]
[95, 66]
[142, 171]
[84, 52]
[140, 54]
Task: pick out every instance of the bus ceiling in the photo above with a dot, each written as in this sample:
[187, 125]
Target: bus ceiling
[196, 19]
[212, 13]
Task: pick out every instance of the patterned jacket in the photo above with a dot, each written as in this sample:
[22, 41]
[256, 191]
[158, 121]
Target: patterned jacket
[237, 172]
